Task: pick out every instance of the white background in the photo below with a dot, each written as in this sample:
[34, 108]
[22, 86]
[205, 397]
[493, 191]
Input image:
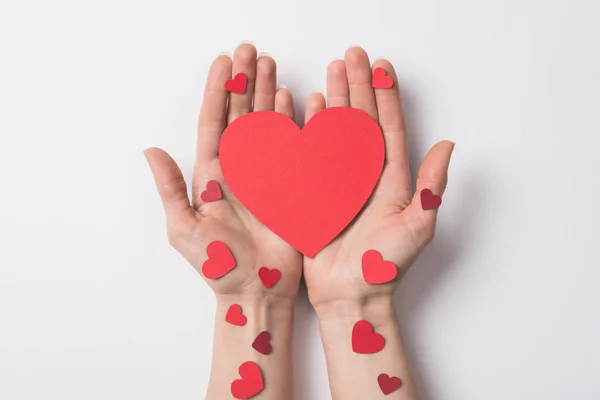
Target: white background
[94, 304]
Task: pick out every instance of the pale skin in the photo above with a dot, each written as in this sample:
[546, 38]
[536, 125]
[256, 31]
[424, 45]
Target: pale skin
[392, 222]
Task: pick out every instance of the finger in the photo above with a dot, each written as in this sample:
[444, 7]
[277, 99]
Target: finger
[213, 113]
[358, 69]
[171, 187]
[314, 104]
[338, 93]
[244, 60]
[433, 175]
[391, 120]
[266, 82]
[284, 102]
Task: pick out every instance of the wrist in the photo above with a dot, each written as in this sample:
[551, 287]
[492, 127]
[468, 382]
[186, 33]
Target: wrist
[370, 308]
[260, 311]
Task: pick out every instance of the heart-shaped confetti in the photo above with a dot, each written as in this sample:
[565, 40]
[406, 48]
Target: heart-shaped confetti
[235, 316]
[375, 270]
[237, 84]
[430, 201]
[261, 343]
[388, 384]
[220, 260]
[364, 340]
[212, 192]
[251, 383]
[269, 277]
[381, 80]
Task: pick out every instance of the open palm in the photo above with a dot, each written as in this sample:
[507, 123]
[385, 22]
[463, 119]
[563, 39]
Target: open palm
[391, 222]
[192, 226]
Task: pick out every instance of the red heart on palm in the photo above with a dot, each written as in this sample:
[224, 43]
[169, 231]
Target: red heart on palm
[388, 384]
[375, 270]
[212, 192]
[305, 185]
[269, 277]
[251, 383]
[220, 260]
[364, 340]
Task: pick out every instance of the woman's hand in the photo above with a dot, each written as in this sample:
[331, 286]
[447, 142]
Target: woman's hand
[391, 222]
[192, 226]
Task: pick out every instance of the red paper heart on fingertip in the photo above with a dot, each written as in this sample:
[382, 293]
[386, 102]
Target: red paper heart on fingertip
[234, 315]
[304, 185]
[261, 343]
[251, 383]
[220, 260]
[430, 201]
[381, 80]
[364, 340]
[237, 84]
[375, 270]
[212, 192]
[269, 277]
[388, 384]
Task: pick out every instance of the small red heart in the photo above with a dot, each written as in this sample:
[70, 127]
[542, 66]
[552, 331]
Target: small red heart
[237, 84]
[261, 343]
[381, 80]
[388, 384]
[269, 276]
[212, 192]
[220, 260]
[375, 270]
[430, 201]
[251, 383]
[234, 315]
[364, 340]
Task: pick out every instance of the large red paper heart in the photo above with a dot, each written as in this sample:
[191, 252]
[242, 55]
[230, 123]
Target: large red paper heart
[375, 270]
[235, 316]
[269, 277]
[430, 201]
[364, 340]
[220, 260]
[261, 343]
[251, 383]
[306, 186]
[388, 384]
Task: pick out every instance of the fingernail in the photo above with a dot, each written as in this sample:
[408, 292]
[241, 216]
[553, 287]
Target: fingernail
[247, 42]
[226, 53]
[379, 58]
[338, 58]
[281, 86]
[353, 45]
[264, 54]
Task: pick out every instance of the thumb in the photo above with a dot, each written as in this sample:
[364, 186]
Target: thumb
[433, 175]
[170, 183]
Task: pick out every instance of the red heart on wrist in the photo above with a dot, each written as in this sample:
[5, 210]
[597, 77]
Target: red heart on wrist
[364, 340]
[234, 315]
[212, 192]
[220, 260]
[269, 277]
[375, 270]
[237, 84]
[251, 383]
[261, 343]
[430, 201]
[388, 384]
[381, 80]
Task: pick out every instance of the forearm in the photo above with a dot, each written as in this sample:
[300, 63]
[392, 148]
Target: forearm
[353, 375]
[233, 346]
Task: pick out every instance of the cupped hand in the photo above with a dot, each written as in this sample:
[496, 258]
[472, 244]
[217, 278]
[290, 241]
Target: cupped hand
[191, 226]
[393, 222]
